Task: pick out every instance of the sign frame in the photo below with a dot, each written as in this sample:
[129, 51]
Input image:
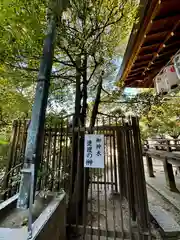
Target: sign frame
[94, 151]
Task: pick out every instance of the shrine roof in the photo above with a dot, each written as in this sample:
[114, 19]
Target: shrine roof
[154, 39]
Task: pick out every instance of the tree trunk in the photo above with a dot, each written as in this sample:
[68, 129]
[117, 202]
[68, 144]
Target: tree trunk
[84, 93]
[76, 122]
[76, 163]
[80, 179]
[84, 171]
[96, 103]
[78, 204]
[92, 124]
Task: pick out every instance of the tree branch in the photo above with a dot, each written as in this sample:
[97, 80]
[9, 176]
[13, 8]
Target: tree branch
[97, 101]
[106, 91]
[66, 63]
[102, 27]
[104, 114]
[70, 57]
[95, 67]
[64, 77]
[24, 68]
[3, 123]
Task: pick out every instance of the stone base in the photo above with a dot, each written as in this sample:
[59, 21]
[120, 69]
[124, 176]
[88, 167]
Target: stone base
[51, 224]
[169, 228]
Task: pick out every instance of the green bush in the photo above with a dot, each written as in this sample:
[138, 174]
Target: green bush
[3, 154]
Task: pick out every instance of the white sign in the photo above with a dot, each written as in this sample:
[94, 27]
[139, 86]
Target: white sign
[94, 151]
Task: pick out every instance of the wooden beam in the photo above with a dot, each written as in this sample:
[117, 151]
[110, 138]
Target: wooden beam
[148, 55]
[174, 45]
[148, 50]
[149, 46]
[94, 231]
[134, 75]
[165, 53]
[151, 7]
[151, 67]
[138, 69]
[87, 129]
[156, 34]
[152, 42]
[165, 22]
[134, 79]
[139, 64]
[169, 8]
[168, 36]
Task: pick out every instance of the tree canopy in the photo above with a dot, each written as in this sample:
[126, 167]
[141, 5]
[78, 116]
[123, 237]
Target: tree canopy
[90, 31]
[90, 35]
[159, 115]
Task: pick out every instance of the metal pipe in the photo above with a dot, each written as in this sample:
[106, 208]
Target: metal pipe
[36, 128]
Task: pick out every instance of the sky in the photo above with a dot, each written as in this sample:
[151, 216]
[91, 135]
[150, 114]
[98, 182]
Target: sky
[131, 91]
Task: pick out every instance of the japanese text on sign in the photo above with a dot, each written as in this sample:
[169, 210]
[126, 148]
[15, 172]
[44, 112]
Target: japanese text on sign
[94, 151]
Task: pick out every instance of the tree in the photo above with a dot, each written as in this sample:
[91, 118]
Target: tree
[88, 36]
[89, 28]
[165, 119]
[90, 32]
[13, 103]
[159, 115]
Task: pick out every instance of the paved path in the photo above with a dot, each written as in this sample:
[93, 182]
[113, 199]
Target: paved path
[158, 183]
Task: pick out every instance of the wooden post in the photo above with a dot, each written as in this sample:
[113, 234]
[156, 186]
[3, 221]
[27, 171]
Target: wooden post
[130, 177]
[139, 179]
[168, 170]
[149, 166]
[169, 175]
[120, 146]
[168, 146]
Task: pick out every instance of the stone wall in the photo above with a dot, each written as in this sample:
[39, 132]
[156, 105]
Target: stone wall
[52, 221]
[50, 225]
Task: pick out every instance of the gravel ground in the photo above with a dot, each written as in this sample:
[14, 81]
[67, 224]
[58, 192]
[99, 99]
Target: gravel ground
[111, 209]
[108, 206]
[105, 210]
[110, 215]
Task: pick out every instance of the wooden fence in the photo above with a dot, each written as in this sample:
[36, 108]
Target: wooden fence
[123, 172]
[167, 151]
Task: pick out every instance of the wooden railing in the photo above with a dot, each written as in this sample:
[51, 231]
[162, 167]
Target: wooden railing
[170, 145]
[166, 150]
